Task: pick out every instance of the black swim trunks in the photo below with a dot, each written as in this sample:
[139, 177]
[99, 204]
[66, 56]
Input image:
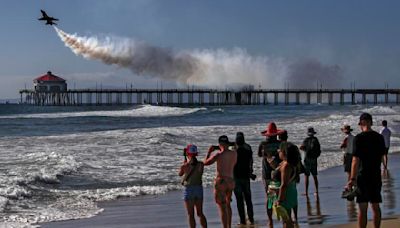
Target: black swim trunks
[369, 191]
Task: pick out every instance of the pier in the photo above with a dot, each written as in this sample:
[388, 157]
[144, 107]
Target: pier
[192, 97]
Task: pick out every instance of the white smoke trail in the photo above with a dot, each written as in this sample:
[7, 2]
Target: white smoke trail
[214, 68]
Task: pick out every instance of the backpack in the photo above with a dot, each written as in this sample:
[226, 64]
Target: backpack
[313, 148]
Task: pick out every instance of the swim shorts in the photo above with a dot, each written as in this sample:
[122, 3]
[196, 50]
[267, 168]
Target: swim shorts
[193, 192]
[310, 166]
[223, 187]
[369, 190]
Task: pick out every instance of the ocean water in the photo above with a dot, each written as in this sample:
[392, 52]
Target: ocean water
[56, 163]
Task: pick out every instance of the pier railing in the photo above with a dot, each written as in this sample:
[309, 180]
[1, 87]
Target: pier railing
[182, 97]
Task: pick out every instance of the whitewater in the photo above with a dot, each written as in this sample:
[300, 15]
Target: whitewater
[57, 163]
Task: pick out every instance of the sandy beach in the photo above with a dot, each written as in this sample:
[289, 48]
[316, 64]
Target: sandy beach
[327, 210]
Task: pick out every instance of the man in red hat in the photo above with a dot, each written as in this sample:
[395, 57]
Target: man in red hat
[268, 150]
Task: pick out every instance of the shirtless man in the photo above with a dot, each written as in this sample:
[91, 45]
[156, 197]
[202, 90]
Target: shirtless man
[224, 182]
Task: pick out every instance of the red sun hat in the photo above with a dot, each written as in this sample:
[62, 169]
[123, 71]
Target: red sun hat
[271, 130]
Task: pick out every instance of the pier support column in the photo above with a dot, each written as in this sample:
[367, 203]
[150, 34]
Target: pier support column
[308, 98]
[342, 98]
[139, 99]
[353, 98]
[190, 98]
[128, 97]
[119, 98]
[375, 98]
[171, 98]
[386, 98]
[364, 98]
[180, 98]
[297, 98]
[265, 98]
[109, 98]
[397, 98]
[258, 98]
[201, 98]
[89, 98]
[286, 98]
[276, 98]
[330, 98]
[319, 98]
[149, 98]
[211, 98]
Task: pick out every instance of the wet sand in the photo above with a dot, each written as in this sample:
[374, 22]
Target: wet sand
[327, 210]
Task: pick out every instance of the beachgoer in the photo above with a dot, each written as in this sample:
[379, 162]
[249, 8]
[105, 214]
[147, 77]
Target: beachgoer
[224, 182]
[386, 133]
[347, 148]
[242, 172]
[286, 174]
[368, 150]
[268, 150]
[299, 169]
[312, 150]
[192, 172]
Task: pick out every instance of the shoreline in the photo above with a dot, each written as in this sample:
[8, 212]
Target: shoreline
[328, 210]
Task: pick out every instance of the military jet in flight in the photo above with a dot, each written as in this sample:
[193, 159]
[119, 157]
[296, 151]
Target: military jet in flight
[49, 20]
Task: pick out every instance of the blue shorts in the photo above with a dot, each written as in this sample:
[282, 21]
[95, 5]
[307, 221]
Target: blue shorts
[194, 192]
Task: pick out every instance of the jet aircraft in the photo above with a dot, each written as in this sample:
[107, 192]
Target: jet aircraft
[49, 20]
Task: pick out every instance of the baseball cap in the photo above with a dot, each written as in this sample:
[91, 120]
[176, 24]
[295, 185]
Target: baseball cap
[191, 149]
[223, 139]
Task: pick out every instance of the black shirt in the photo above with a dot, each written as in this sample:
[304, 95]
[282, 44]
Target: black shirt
[369, 147]
[269, 147]
[244, 164]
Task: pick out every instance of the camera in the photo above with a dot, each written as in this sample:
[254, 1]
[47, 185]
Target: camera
[349, 194]
[253, 176]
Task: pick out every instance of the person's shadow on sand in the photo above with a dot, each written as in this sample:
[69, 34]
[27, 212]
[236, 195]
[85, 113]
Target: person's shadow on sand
[314, 217]
[351, 211]
[389, 197]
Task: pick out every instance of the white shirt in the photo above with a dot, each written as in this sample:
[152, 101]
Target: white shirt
[385, 132]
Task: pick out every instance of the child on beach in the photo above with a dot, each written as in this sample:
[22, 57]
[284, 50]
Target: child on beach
[192, 172]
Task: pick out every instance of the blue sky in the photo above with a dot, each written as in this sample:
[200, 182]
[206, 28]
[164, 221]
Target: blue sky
[361, 37]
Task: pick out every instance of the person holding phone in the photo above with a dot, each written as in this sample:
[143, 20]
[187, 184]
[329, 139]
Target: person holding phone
[192, 172]
[224, 183]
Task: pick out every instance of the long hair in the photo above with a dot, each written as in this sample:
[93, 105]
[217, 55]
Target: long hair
[292, 153]
[193, 161]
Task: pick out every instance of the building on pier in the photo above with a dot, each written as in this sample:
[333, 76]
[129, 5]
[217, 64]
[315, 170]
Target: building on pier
[49, 83]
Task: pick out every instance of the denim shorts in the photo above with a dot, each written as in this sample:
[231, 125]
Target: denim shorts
[194, 192]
